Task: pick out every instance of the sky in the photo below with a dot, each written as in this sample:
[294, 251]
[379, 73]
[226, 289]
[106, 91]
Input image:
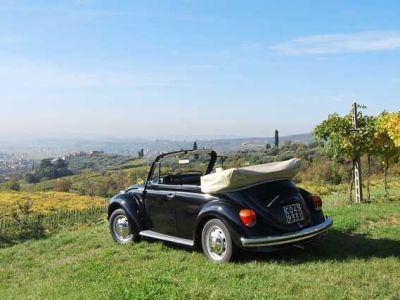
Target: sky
[193, 68]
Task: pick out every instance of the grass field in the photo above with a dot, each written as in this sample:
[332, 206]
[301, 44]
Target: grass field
[360, 258]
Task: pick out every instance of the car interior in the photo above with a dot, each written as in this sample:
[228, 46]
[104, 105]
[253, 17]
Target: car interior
[189, 178]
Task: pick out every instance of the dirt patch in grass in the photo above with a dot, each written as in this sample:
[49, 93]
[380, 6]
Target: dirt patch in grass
[389, 221]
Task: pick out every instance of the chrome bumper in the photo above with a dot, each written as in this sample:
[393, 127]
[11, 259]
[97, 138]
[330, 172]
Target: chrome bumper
[288, 238]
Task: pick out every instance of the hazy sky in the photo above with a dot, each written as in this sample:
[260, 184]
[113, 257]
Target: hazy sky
[203, 68]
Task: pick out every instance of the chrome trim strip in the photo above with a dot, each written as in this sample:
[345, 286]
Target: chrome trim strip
[273, 200]
[166, 237]
[288, 238]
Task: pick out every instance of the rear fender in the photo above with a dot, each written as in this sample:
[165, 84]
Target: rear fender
[317, 216]
[227, 213]
[132, 205]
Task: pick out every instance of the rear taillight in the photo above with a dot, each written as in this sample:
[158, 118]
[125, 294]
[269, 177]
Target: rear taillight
[248, 217]
[316, 202]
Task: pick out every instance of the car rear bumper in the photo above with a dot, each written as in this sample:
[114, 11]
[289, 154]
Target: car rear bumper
[288, 238]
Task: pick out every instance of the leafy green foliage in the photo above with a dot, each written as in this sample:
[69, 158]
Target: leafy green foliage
[375, 135]
[99, 162]
[31, 178]
[12, 185]
[23, 221]
[340, 137]
[49, 169]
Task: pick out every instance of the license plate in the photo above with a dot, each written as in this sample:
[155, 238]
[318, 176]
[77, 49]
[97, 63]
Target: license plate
[293, 213]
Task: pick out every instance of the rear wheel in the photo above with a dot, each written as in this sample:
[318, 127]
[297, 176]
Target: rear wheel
[216, 242]
[121, 229]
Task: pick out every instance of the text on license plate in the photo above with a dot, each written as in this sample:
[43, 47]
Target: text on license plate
[293, 213]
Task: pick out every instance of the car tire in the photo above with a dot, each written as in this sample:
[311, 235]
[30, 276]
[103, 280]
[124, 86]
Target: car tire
[216, 242]
[121, 229]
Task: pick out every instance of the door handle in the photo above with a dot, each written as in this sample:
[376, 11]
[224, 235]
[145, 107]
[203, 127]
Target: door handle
[170, 196]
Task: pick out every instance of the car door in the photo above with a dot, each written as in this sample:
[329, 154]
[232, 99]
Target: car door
[187, 207]
[160, 206]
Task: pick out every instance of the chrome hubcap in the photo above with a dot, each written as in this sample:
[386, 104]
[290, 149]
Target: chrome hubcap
[121, 228]
[216, 242]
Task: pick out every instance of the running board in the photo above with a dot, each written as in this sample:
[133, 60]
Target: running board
[164, 237]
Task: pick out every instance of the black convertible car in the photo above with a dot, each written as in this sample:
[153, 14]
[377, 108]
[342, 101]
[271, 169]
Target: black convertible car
[189, 200]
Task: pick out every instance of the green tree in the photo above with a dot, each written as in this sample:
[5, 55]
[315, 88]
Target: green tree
[141, 153]
[31, 178]
[276, 138]
[12, 185]
[29, 225]
[339, 138]
[49, 169]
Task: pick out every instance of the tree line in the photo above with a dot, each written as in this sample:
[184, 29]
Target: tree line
[376, 136]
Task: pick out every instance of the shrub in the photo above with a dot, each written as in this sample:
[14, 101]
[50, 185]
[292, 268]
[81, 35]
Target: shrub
[62, 185]
[323, 170]
[31, 178]
[12, 185]
[29, 226]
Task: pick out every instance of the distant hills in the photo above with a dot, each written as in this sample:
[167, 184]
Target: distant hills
[41, 148]
[253, 142]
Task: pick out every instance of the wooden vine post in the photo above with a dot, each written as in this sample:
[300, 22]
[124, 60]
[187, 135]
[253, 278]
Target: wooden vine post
[357, 161]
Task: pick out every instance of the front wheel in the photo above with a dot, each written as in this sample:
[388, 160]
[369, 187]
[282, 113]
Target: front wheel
[216, 242]
[120, 228]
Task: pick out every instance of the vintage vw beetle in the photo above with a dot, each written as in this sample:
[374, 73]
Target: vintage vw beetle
[188, 200]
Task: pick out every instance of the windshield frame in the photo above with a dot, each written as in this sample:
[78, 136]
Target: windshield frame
[212, 153]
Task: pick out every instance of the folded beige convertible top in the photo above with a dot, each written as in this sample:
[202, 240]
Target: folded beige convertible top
[237, 178]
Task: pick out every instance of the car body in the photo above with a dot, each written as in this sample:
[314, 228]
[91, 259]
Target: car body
[170, 206]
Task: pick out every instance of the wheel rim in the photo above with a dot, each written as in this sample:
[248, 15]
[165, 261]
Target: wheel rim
[216, 242]
[121, 228]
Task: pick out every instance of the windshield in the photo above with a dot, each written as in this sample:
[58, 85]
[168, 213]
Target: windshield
[185, 163]
[183, 167]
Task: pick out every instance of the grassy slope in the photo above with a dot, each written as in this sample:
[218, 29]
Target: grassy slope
[359, 258]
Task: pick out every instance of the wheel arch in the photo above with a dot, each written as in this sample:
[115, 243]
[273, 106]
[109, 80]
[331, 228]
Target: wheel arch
[113, 207]
[224, 211]
[199, 229]
[131, 204]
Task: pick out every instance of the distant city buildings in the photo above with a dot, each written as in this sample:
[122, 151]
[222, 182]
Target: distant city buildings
[11, 163]
[95, 152]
